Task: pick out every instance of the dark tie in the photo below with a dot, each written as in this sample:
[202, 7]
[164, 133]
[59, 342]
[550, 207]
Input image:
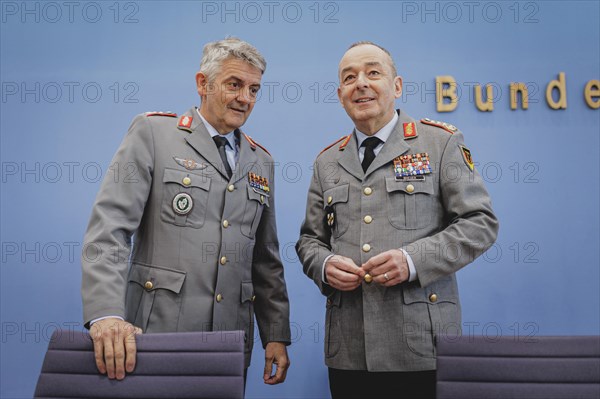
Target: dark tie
[369, 145]
[221, 142]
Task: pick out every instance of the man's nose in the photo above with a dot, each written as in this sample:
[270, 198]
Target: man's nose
[361, 80]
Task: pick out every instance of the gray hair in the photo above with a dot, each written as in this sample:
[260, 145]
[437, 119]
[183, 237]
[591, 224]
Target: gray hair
[366, 42]
[216, 52]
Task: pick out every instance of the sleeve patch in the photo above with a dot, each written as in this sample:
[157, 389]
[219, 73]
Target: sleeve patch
[466, 153]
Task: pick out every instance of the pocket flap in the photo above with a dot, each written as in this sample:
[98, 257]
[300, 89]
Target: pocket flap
[255, 195]
[153, 278]
[247, 291]
[432, 295]
[335, 195]
[193, 179]
[417, 186]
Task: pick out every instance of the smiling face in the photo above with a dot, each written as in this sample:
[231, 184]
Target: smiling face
[228, 99]
[368, 87]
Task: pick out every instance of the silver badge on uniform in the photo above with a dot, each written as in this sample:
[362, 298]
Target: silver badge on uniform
[190, 164]
[182, 203]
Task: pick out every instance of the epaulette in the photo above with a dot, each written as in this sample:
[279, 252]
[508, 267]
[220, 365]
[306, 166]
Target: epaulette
[332, 144]
[446, 126]
[254, 144]
[160, 113]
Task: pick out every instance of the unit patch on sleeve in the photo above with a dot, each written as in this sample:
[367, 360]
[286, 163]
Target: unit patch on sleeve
[466, 153]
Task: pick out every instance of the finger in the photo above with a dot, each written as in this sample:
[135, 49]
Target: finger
[130, 349]
[282, 368]
[375, 261]
[268, 369]
[98, 350]
[119, 352]
[344, 276]
[344, 264]
[109, 354]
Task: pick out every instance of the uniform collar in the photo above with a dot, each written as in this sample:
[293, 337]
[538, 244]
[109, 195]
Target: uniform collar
[213, 132]
[383, 134]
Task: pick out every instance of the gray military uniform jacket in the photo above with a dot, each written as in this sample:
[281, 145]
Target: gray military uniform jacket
[205, 250]
[443, 221]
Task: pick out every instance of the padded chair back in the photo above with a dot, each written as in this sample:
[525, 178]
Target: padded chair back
[172, 365]
[518, 367]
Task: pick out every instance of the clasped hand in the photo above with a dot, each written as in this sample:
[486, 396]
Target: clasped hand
[389, 268]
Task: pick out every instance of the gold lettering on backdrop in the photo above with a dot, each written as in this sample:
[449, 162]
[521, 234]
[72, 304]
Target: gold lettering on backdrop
[445, 87]
[488, 105]
[515, 89]
[592, 89]
[561, 86]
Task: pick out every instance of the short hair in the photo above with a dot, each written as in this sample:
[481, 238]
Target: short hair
[366, 42]
[215, 53]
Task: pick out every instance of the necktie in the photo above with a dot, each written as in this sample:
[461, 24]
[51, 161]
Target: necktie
[221, 142]
[369, 145]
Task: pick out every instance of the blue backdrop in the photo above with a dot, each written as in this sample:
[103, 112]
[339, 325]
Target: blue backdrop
[75, 73]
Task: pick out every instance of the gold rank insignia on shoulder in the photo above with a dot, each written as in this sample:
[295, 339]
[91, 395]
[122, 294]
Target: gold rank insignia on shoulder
[466, 153]
[190, 164]
[410, 130]
[412, 166]
[446, 126]
[259, 184]
[161, 113]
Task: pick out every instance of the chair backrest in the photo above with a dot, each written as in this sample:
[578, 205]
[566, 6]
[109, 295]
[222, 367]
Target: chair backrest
[171, 365]
[518, 367]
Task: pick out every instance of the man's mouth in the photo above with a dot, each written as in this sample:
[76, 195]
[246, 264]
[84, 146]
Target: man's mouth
[240, 110]
[364, 100]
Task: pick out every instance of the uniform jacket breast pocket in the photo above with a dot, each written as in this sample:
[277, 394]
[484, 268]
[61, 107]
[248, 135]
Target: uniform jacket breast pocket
[337, 198]
[185, 196]
[253, 210]
[410, 203]
[153, 297]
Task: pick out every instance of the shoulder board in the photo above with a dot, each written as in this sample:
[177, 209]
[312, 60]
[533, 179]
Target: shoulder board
[446, 126]
[254, 144]
[331, 145]
[159, 113]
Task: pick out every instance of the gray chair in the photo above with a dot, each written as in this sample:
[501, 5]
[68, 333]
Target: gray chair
[518, 367]
[173, 365]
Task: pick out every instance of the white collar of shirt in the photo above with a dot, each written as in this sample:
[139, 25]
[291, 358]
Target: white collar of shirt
[213, 132]
[383, 134]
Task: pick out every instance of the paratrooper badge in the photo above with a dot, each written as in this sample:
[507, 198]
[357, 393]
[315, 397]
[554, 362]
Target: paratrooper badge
[190, 164]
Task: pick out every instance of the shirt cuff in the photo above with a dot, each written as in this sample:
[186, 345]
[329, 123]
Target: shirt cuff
[323, 269]
[105, 317]
[411, 266]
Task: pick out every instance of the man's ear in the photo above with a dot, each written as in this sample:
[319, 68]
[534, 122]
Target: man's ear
[339, 93]
[398, 86]
[201, 84]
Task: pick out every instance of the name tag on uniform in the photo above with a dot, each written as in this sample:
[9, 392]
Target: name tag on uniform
[412, 167]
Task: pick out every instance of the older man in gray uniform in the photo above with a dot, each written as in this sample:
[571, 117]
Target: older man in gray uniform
[197, 196]
[394, 210]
